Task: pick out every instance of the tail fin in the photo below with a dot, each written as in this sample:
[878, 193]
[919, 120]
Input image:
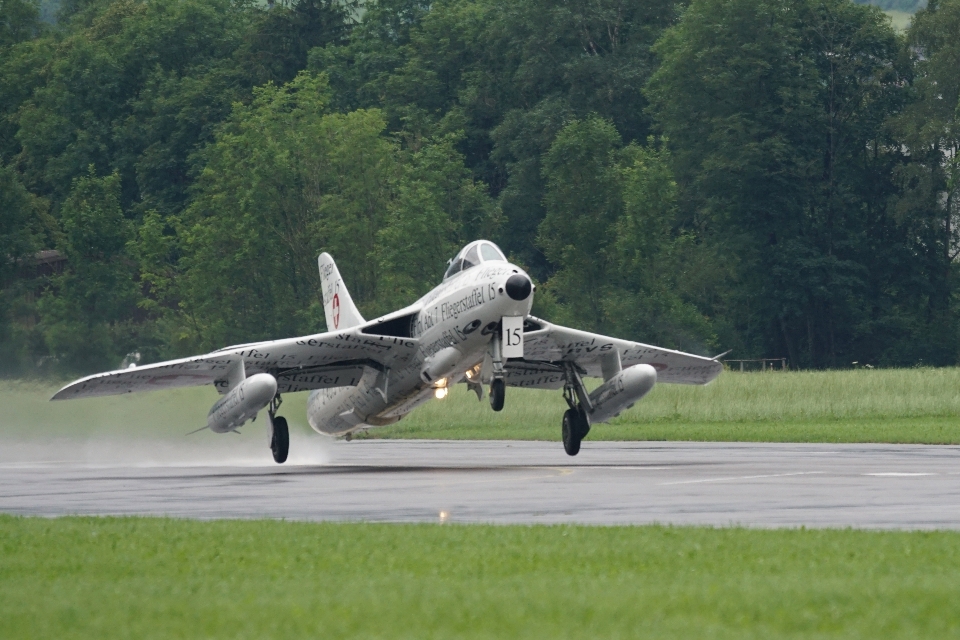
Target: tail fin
[338, 306]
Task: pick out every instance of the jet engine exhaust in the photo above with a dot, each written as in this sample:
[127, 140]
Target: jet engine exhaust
[242, 403]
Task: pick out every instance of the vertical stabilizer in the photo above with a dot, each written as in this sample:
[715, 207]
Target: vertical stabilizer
[338, 306]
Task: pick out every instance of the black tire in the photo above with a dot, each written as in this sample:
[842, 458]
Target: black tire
[280, 442]
[583, 425]
[498, 393]
[571, 432]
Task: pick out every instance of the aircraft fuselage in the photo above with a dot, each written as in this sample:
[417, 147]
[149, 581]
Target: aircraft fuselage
[461, 313]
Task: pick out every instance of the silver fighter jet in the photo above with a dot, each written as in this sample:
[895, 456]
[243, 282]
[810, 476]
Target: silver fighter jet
[474, 328]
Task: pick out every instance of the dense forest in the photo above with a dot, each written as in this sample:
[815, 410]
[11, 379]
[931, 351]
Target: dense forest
[776, 177]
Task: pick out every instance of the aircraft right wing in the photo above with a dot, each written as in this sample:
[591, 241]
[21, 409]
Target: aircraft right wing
[547, 346]
[325, 360]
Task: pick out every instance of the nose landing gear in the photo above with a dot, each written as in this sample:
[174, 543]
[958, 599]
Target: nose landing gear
[498, 387]
[498, 393]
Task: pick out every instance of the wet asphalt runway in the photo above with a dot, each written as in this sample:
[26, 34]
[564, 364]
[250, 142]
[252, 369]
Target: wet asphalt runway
[765, 485]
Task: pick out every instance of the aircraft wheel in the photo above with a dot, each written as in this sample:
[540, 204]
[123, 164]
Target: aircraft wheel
[498, 393]
[583, 425]
[571, 432]
[280, 442]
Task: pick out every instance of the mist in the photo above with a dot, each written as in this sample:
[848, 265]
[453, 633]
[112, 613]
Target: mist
[141, 430]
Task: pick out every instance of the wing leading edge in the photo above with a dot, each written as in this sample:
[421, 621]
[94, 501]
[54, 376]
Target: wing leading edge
[325, 360]
[547, 345]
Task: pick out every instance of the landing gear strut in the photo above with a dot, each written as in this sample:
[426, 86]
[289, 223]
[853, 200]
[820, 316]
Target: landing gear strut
[576, 423]
[498, 388]
[279, 434]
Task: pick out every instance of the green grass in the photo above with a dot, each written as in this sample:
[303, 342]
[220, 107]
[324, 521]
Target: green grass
[879, 405]
[164, 578]
[900, 431]
[865, 405]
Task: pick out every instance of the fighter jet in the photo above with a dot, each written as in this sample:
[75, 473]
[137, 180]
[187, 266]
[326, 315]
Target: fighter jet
[475, 328]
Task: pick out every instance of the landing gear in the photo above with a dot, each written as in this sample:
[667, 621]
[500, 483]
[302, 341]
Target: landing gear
[575, 428]
[498, 388]
[279, 434]
[576, 423]
[280, 442]
[498, 393]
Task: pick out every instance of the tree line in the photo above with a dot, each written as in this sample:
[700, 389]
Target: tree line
[777, 177]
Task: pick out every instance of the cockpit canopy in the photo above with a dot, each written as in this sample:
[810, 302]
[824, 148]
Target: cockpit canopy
[472, 255]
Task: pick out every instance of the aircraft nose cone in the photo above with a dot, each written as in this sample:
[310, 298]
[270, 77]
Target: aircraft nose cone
[518, 287]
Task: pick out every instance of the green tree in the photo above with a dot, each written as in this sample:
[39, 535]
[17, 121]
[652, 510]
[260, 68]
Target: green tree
[94, 104]
[437, 208]
[774, 111]
[583, 201]
[19, 225]
[565, 61]
[19, 21]
[284, 181]
[86, 315]
[278, 45]
[508, 76]
[661, 275]
[21, 69]
[21, 228]
[929, 128]
[136, 86]
[359, 68]
[621, 262]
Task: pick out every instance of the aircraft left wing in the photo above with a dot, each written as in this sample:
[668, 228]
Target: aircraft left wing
[547, 346]
[325, 360]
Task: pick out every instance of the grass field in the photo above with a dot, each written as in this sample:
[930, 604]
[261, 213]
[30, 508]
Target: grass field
[865, 405]
[167, 578]
[164, 578]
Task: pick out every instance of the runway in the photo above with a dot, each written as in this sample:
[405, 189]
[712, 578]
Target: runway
[761, 485]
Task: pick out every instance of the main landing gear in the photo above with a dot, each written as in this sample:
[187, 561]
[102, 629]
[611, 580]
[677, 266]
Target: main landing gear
[279, 434]
[575, 428]
[576, 423]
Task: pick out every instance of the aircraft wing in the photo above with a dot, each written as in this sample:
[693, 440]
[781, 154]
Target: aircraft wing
[546, 345]
[325, 360]
[533, 374]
